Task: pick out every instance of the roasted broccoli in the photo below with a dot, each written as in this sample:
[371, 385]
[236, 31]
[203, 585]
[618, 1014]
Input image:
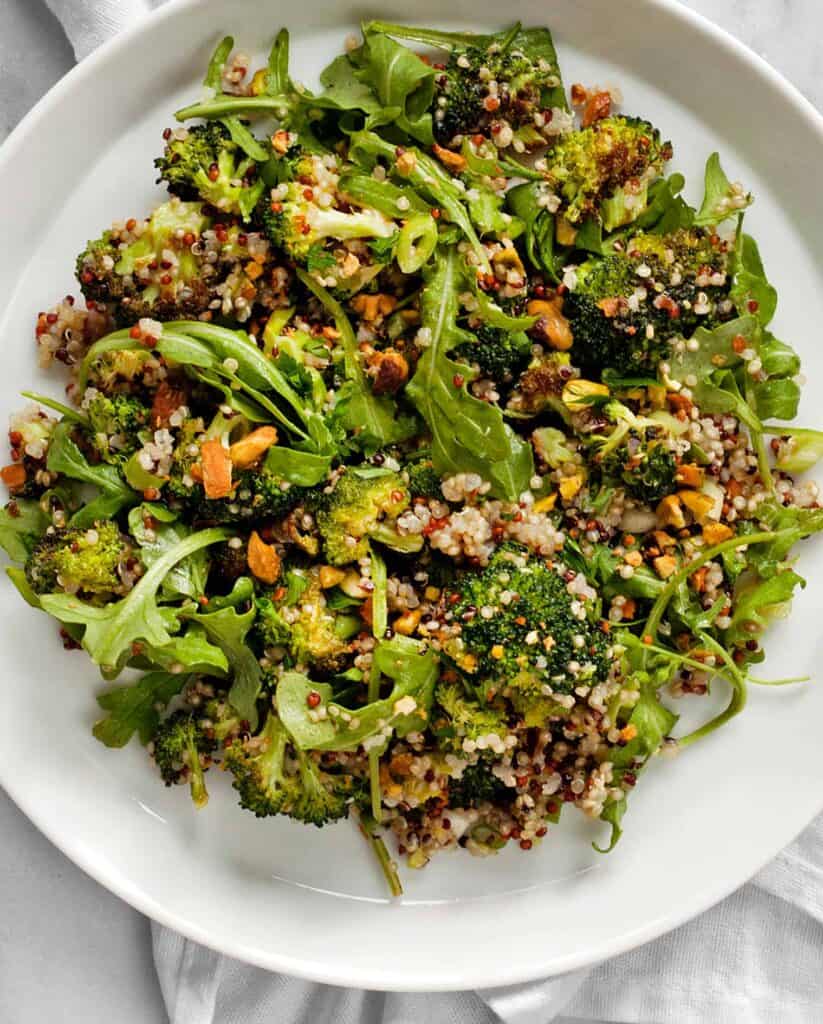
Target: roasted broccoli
[360, 508]
[524, 634]
[84, 561]
[302, 215]
[464, 725]
[604, 171]
[478, 785]
[257, 494]
[500, 355]
[182, 750]
[423, 481]
[115, 421]
[541, 384]
[271, 780]
[625, 308]
[178, 265]
[205, 162]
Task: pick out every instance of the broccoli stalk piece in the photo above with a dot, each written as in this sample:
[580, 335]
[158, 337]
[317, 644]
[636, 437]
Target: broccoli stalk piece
[626, 308]
[604, 171]
[536, 631]
[204, 162]
[180, 747]
[271, 782]
[74, 560]
[362, 508]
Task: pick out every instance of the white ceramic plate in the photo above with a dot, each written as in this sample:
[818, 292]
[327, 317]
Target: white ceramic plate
[311, 902]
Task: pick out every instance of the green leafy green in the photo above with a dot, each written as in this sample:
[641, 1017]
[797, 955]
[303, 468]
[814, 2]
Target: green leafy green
[22, 523]
[65, 457]
[720, 199]
[188, 577]
[134, 709]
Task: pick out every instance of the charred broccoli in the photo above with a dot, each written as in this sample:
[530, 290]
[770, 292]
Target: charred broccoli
[181, 746]
[204, 162]
[115, 421]
[464, 725]
[79, 561]
[360, 508]
[500, 355]
[626, 307]
[477, 785]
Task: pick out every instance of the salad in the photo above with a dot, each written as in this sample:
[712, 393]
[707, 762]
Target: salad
[421, 450]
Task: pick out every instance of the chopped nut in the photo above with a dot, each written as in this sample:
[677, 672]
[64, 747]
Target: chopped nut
[663, 539]
[678, 402]
[392, 372]
[698, 578]
[699, 504]
[454, 161]
[570, 485]
[546, 504]
[551, 326]
[216, 469]
[280, 142]
[263, 560]
[665, 566]
[408, 622]
[689, 475]
[670, 512]
[329, 576]
[716, 533]
[598, 105]
[253, 270]
[372, 308]
[248, 450]
[633, 558]
[565, 232]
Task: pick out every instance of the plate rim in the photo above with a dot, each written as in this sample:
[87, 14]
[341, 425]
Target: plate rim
[381, 978]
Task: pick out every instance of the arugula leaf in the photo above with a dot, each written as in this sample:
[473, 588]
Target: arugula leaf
[751, 291]
[412, 667]
[20, 531]
[133, 709]
[757, 602]
[112, 629]
[364, 190]
[374, 420]
[524, 202]
[188, 577]
[468, 435]
[776, 398]
[722, 395]
[303, 468]
[400, 80]
[190, 651]
[720, 199]
[65, 457]
[343, 90]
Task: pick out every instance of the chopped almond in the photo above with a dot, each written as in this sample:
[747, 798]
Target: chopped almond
[670, 512]
[263, 560]
[699, 504]
[216, 469]
[716, 533]
[689, 475]
[249, 449]
[329, 576]
[665, 566]
[663, 540]
[698, 578]
[551, 325]
[454, 161]
[13, 476]
[633, 558]
[407, 623]
[373, 307]
[392, 372]
[598, 105]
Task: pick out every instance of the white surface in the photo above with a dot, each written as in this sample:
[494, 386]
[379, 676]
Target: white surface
[781, 5]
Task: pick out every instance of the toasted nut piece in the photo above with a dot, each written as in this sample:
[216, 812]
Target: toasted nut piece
[546, 504]
[408, 622]
[509, 258]
[670, 512]
[579, 394]
[598, 105]
[406, 162]
[566, 233]
[166, 401]
[551, 325]
[678, 402]
[263, 560]
[689, 475]
[663, 539]
[13, 476]
[216, 469]
[699, 504]
[253, 270]
[570, 485]
[249, 449]
[392, 372]
[633, 558]
[665, 566]
[716, 533]
[280, 142]
[698, 578]
[373, 307]
[329, 576]
[350, 584]
[454, 161]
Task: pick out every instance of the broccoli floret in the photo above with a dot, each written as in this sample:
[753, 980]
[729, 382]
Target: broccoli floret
[115, 422]
[541, 384]
[464, 103]
[361, 508]
[501, 355]
[180, 747]
[423, 481]
[314, 636]
[647, 472]
[464, 725]
[178, 265]
[219, 720]
[302, 215]
[86, 561]
[477, 785]
[539, 639]
[205, 162]
[626, 307]
[270, 781]
[257, 495]
[611, 162]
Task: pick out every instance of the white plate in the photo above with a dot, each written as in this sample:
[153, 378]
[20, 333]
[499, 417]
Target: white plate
[311, 902]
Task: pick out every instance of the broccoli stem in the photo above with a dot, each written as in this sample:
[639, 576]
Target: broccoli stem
[222, 106]
[368, 827]
[674, 581]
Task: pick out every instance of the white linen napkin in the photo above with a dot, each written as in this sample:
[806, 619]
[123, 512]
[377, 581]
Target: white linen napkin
[754, 959]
